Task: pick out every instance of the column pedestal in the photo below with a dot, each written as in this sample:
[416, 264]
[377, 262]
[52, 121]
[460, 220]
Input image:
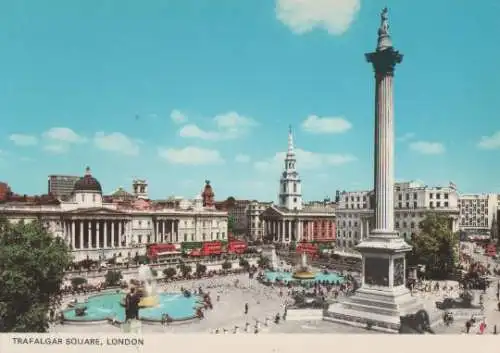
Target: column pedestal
[383, 297]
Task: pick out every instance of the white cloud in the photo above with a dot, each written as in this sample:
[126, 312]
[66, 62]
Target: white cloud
[117, 142]
[178, 117]
[23, 140]
[326, 125]
[56, 148]
[193, 131]
[302, 16]
[406, 137]
[490, 142]
[191, 156]
[305, 160]
[242, 158]
[229, 126]
[425, 147]
[63, 134]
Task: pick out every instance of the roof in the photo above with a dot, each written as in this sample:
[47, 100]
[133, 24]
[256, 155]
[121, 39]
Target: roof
[87, 183]
[121, 192]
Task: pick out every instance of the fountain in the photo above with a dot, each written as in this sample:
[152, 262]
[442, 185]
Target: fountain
[154, 307]
[148, 289]
[274, 261]
[303, 271]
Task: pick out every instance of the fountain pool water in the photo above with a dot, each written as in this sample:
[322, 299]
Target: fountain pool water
[102, 307]
[330, 277]
[303, 274]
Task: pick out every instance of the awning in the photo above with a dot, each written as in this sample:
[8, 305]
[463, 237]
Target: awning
[195, 252]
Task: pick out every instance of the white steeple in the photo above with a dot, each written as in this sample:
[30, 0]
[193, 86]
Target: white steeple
[290, 194]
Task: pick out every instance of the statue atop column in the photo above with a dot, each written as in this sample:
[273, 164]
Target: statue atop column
[384, 38]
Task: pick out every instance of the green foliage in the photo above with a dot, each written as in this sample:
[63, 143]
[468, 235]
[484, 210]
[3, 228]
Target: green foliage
[141, 259]
[263, 262]
[113, 278]
[185, 269]
[230, 223]
[200, 268]
[78, 281]
[154, 272]
[244, 263]
[32, 266]
[169, 272]
[226, 265]
[435, 247]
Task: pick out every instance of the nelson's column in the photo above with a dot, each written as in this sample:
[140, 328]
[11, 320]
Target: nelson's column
[383, 296]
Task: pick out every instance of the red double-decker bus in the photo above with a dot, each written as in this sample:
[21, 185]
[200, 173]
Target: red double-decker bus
[308, 248]
[162, 252]
[490, 250]
[236, 246]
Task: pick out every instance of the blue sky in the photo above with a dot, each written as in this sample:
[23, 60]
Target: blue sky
[181, 91]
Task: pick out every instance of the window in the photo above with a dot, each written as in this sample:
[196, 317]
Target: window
[294, 187]
[438, 196]
[415, 195]
[407, 205]
[446, 204]
[446, 196]
[438, 204]
[294, 199]
[431, 204]
[415, 204]
[407, 197]
[431, 195]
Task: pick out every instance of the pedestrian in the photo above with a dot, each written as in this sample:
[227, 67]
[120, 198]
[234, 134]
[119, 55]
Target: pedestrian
[468, 325]
[246, 308]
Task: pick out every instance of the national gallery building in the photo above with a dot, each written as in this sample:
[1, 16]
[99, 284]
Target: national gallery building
[121, 225]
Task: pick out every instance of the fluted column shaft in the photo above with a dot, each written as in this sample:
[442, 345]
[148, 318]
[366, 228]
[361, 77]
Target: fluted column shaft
[384, 154]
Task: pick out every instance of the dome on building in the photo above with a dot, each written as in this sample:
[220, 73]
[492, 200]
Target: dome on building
[87, 183]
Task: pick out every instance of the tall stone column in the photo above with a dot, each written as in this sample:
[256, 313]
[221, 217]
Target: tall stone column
[384, 61]
[163, 231]
[157, 231]
[105, 234]
[113, 225]
[383, 298]
[83, 235]
[120, 233]
[97, 233]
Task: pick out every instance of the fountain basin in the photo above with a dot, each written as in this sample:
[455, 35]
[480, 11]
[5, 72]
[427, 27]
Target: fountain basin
[145, 302]
[310, 277]
[104, 307]
[303, 275]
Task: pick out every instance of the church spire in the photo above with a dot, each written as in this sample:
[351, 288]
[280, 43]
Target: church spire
[290, 141]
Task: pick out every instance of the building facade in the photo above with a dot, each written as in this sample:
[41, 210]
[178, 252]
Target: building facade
[255, 230]
[100, 228]
[237, 213]
[61, 185]
[291, 221]
[477, 212]
[412, 201]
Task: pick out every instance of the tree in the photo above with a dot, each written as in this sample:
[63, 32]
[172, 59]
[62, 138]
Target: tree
[154, 272]
[78, 281]
[169, 272]
[244, 263]
[435, 246]
[113, 278]
[226, 265]
[200, 269]
[230, 224]
[185, 269]
[32, 266]
[263, 262]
